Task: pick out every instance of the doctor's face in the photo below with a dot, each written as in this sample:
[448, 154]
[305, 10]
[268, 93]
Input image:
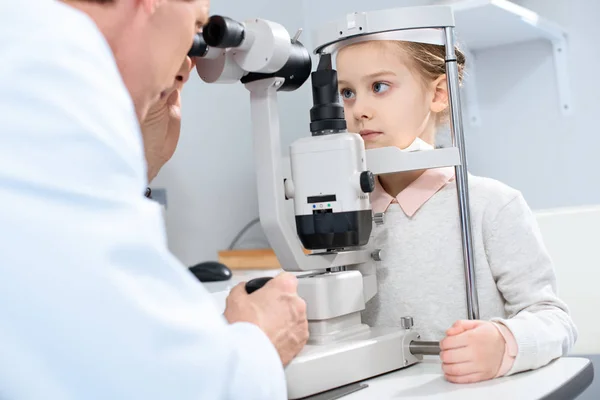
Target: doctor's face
[161, 34]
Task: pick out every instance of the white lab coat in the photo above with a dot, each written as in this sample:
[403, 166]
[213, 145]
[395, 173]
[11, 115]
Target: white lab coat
[92, 303]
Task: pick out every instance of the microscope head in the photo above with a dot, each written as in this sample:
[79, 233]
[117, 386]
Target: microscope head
[229, 51]
[332, 211]
[331, 183]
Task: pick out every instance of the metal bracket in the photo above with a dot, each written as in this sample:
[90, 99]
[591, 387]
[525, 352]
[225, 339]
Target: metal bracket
[561, 66]
[470, 91]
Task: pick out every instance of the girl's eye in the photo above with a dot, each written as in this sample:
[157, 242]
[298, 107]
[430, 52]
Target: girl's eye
[347, 94]
[380, 87]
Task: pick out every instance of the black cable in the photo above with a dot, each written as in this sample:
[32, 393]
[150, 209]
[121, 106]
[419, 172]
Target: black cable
[242, 232]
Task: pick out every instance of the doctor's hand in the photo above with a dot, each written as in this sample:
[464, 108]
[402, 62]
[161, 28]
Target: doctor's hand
[162, 124]
[472, 351]
[276, 309]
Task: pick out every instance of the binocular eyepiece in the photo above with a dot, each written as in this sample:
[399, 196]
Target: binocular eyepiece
[220, 32]
[268, 55]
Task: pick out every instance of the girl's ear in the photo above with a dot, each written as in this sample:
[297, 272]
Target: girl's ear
[439, 101]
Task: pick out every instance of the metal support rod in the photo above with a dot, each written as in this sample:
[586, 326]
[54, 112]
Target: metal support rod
[462, 183]
[424, 348]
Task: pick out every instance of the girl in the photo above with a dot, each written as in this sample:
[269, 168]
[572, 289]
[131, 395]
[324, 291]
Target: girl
[395, 94]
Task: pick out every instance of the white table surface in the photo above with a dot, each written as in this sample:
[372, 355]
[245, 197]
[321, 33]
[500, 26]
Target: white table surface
[425, 379]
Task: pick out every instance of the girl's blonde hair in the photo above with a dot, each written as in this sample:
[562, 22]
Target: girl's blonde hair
[429, 60]
[429, 63]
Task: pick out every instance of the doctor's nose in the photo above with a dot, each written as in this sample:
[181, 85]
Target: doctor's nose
[184, 71]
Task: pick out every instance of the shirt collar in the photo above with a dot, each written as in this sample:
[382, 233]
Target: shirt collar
[412, 198]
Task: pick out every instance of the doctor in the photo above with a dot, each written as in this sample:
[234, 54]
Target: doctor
[92, 303]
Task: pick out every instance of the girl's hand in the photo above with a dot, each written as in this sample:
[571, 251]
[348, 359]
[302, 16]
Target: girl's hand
[472, 351]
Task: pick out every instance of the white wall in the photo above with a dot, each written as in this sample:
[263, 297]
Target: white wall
[524, 139]
[571, 236]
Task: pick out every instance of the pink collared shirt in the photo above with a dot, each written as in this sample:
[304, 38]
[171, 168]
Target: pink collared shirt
[410, 200]
[414, 195]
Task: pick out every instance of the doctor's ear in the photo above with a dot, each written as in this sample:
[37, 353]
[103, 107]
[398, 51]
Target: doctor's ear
[439, 88]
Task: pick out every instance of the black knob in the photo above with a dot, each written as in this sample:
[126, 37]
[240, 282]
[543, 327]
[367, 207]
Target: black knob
[254, 284]
[199, 47]
[223, 32]
[211, 271]
[367, 181]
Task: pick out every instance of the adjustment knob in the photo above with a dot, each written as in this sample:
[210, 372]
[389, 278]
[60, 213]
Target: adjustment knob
[379, 219]
[406, 322]
[289, 189]
[367, 182]
[377, 255]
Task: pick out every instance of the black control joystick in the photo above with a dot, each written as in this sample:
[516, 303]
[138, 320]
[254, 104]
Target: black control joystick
[254, 284]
